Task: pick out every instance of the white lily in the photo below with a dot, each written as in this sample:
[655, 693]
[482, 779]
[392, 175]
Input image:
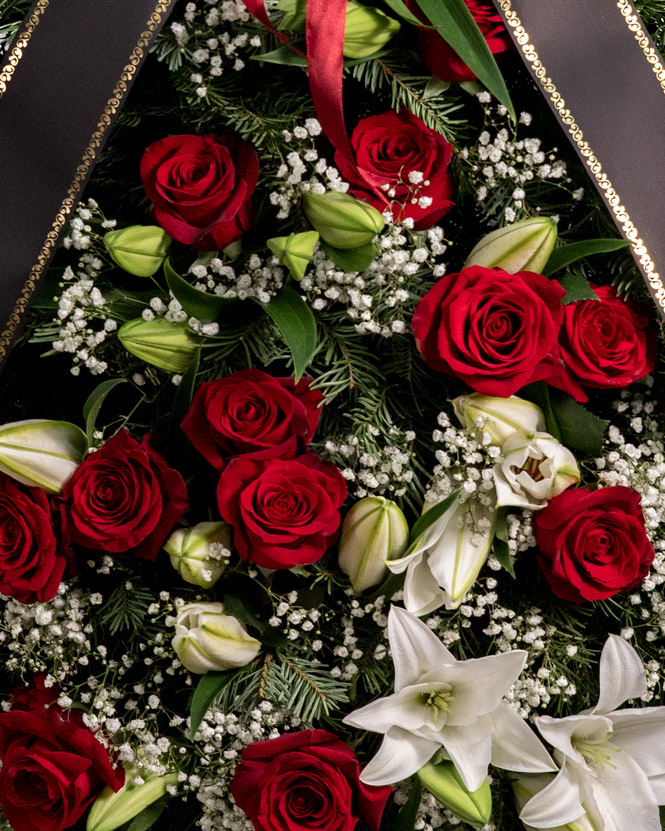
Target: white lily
[501, 417]
[440, 702]
[612, 761]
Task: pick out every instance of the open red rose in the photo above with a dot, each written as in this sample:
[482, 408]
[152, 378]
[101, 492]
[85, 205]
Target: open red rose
[124, 497]
[200, 187]
[593, 544]
[284, 512]
[306, 780]
[607, 343]
[52, 768]
[251, 413]
[492, 329]
[398, 150]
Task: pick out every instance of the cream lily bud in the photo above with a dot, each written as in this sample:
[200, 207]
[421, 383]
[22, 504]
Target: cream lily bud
[373, 532]
[206, 639]
[112, 809]
[139, 249]
[198, 554]
[295, 251]
[42, 453]
[501, 416]
[522, 246]
[526, 786]
[535, 468]
[168, 346]
[342, 221]
[444, 782]
[367, 30]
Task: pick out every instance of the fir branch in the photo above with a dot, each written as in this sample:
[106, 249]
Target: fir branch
[127, 607]
[305, 688]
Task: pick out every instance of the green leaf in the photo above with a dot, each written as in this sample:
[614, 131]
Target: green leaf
[207, 690]
[501, 548]
[406, 819]
[296, 323]
[182, 400]
[351, 259]
[566, 254]
[434, 88]
[423, 522]
[399, 7]
[94, 403]
[453, 21]
[577, 288]
[148, 816]
[208, 308]
[283, 55]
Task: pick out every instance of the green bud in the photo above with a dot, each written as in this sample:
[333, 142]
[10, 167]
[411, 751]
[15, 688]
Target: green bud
[295, 251]
[139, 249]
[42, 453]
[522, 246]
[367, 30]
[294, 15]
[342, 221]
[444, 782]
[169, 346]
[197, 553]
[374, 531]
[112, 809]
[525, 786]
[501, 416]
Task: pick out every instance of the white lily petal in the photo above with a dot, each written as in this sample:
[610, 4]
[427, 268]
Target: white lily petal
[559, 732]
[415, 648]
[515, 746]
[479, 684]
[657, 785]
[557, 804]
[422, 593]
[641, 733]
[401, 754]
[622, 675]
[432, 534]
[470, 748]
[507, 497]
[404, 709]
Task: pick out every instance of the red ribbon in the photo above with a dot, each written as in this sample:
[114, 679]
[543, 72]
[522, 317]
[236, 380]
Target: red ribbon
[258, 9]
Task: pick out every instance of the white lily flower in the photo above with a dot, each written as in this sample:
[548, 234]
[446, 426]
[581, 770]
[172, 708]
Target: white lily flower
[501, 416]
[535, 468]
[612, 761]
[440, 702]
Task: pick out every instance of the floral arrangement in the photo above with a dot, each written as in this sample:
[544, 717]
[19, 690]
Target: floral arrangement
[332, 492]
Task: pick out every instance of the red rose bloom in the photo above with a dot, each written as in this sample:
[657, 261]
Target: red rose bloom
[492, 329]
[124, 497]
[607, 343]
[32, 562]
[391, 146]
[593, 543]
[284, 512]
[52, 768]
[35, 697]
[307, 780]
[253, 414]
[200, 187]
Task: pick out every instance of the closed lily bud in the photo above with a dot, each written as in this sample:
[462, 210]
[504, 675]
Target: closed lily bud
[373, 532]
[112, 809]
[295, 251]
[444, 782]
[199, 554]
[367, 30]
[206, 639]
[42, 453]
[168, 346]
[501, 416]
[139, 249]
[526, 786]
[342, 221]
[522, 246]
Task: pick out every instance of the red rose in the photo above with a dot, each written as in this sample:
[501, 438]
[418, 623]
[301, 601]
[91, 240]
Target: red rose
[124, 497]
[284, 512]
[307, 780]
[492, 329]
[52, 768]
[200, 187]
[32, 563]
[607, 343]
[391, 147]
[253, 414]
[36, 696]
[593, 543]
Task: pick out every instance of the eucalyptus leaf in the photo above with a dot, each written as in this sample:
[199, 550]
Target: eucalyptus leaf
[94, 403]
[296, 323]
[566, 254]
[208, 308]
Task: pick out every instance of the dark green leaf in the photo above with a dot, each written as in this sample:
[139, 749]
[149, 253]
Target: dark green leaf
[566, 254]
[399, 7]
[296, 323]
[184, 393]
[283, 55]
[453, 21]
[501, 549]
[434, 88]
[423, 522]
[148, 816]
[208, 308]
[48, 289]
[351, 259]
[94, 403]
[406, 819]
[207, 690]
[577, 288]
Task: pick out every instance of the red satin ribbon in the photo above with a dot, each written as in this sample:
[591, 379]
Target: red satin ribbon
[258, 9]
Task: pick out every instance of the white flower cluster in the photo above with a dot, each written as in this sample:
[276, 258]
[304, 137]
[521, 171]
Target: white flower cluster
[256, 278]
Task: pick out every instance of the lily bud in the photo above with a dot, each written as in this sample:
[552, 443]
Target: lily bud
[112, 809]
[367, 30]
[526, 786]
[373, 532]
[295, 251]
[169, 346]
[522, 246]
[42, 453]
[139, 249]
[206, 639]
[342, 221]
[444, 782]
[197, 553]
[501, 416]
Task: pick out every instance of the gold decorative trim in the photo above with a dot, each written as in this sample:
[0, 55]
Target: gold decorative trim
[87, 161]
[21, 44]
[611, 196]
[635, 25]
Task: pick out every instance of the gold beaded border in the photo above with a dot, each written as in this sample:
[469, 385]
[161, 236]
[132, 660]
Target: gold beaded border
[650, 53]
[88, 159]
[611, 196]
[21, 44]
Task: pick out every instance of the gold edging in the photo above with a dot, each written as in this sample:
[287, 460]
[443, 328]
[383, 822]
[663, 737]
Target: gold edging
[635, 25]
[21, 44]
[87, 161]
[612, 198]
